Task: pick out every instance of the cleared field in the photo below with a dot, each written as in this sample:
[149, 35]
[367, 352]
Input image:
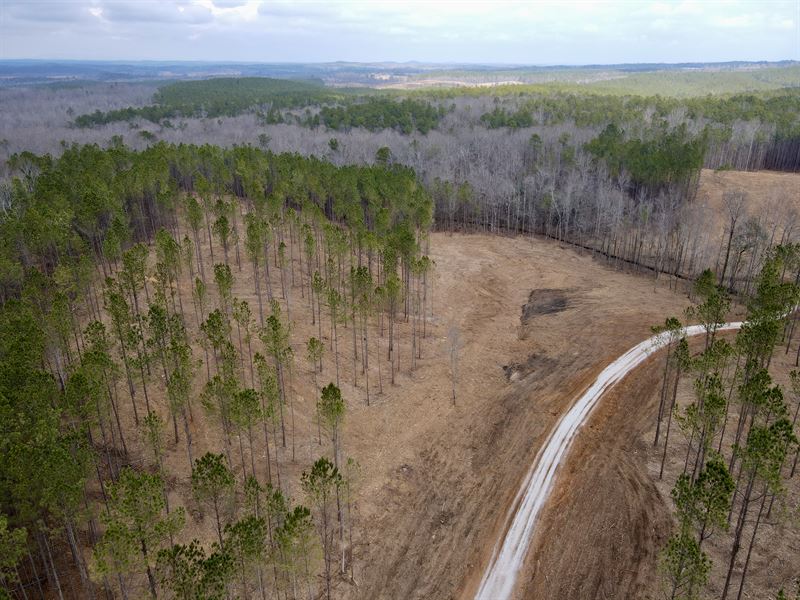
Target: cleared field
[537, 321]
[772, 197]
[439, 477]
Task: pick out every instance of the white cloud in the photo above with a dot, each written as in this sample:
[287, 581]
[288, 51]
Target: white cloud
[786, 24]
[737, 21]
[232, 11]
[149, 11]
[571, 31]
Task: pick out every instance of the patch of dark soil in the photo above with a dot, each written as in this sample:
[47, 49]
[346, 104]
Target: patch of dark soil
[535, 362]
[544, 302]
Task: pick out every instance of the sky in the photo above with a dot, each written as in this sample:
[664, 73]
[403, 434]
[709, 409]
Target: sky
[532, 32]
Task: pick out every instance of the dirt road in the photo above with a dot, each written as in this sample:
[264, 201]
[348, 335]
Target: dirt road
[501, 576]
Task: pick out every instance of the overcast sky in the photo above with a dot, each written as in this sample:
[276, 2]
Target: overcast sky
[532, 32]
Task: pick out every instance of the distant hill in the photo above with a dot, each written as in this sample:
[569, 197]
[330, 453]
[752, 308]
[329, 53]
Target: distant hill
[740, 74]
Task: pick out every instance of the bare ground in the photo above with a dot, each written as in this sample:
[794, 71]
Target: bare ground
[444, 476]
[605, 522]
[771, 197]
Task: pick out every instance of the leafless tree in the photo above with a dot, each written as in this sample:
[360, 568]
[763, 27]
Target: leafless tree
[454, 344]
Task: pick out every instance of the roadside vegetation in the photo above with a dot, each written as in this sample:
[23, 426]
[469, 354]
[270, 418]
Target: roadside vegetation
[740, 431]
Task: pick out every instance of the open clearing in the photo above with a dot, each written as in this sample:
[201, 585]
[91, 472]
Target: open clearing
[768, 193]
[440, 485]
[538, 322]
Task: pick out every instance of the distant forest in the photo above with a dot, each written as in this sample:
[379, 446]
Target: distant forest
[610, 163]
[226, 97]
[313, 105]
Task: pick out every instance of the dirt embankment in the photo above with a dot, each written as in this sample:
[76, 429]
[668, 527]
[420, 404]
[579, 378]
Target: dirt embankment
[610, 514]
[606, 521]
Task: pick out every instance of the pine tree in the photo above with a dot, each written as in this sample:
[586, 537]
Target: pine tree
[253, 244]
[321, 485]
[671, 330]
[246, 412]
[334, 301]
[180, 570]
[762, 458]
[683, 362]
[194, 215]
[275, 337]
[168, 253]
[314, 353]
[246, 542]
[122, 325]
[296, 551]
[213, 482]
[243, 318]
[12, 548]
[269, 394]
[135, 525]
[702, 505]
[685, 567]
[331, 409]
[153, 433]
[224, 280]
[179, 383]
[364, 303]
[222, 228]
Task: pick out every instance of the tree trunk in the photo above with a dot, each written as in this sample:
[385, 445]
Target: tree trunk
[150, 577]
[750, 546]
[663, 398]
[669, 420]
[737, 538]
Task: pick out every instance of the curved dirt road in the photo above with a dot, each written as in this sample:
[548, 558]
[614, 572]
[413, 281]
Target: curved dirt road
[500, 577]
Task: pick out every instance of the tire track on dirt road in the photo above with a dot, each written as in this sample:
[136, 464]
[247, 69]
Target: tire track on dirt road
[500, 578]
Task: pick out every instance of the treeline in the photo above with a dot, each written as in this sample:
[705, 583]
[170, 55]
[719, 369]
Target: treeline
[584, 110]
[219, 97]
[225, 97]
[740, 429]
[153, 113]
[375, 114]
[674, 81]
[773, 143]
[149, 306]
[629, 201]
[744, 131]
[587, 109]
[228, 96]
